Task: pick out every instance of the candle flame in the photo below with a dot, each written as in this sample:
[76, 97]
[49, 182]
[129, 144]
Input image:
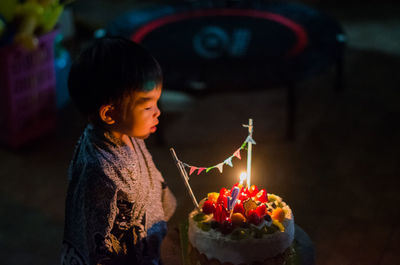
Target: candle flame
[243, 176]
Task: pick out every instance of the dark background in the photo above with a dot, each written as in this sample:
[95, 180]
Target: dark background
[339, 175]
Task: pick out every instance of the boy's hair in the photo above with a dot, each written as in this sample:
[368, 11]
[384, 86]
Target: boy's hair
[108, 71]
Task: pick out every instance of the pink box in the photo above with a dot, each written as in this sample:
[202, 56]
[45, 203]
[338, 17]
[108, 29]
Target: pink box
[27, 89]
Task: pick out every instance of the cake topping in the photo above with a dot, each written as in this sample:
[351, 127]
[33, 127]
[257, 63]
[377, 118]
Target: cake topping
[224, 191]
[253, 217]
[220, 213]
[253, 190]
[261, 210]
[242, 208]
[238, 219]
[268, 218]
[240, 233]
[279, 225]
[213, 196]
[278, 214]
[222, 200]
[248, 205]
[208, 207]
[238, 208]
[227, 226]
[262, 196]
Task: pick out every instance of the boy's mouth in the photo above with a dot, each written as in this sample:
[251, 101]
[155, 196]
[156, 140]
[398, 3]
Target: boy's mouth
[153, 129]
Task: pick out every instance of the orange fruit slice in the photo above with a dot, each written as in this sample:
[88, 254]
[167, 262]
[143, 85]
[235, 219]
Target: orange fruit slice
[278, 214]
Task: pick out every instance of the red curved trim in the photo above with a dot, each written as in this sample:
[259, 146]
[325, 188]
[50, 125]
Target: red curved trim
[301, 34]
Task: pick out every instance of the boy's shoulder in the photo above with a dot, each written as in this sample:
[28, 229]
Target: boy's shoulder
[97, 153]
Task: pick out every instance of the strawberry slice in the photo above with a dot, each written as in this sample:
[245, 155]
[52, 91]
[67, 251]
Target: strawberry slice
[262, 196]
[244, 194]
[224, 191]
[238, 208]
[253, 190]
[260, 210]
[208, 207]
[253, 217]
[222, 200]
[220, 214]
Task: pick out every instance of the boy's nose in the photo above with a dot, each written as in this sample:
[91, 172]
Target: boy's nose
[158, 112]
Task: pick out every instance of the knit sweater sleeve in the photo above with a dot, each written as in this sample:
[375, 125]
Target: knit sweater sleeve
[168, 198]
[168, 202]
[100, 209]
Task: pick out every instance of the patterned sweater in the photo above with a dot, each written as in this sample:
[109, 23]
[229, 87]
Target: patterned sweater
[117, 203]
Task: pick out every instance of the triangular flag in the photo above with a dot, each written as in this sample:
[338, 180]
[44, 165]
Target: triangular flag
[192, 169]
[250, 140]
[200, 170]
[237, 154]
[229, 161]
[219, 166]
[208, 169]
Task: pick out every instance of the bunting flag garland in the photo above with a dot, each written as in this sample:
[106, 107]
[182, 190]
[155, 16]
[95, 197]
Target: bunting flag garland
[192, 169]
[250, 140]
[219, 166]
[227, 161]
[247, 145]
[237, 154]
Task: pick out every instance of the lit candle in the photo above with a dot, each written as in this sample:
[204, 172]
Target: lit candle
[249, 153]
[243, 176]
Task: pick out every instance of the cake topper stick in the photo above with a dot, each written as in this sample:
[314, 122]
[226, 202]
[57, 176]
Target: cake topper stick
[184, 177]
[250, 126]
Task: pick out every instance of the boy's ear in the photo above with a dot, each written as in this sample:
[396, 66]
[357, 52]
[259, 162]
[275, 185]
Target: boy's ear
[106, 113]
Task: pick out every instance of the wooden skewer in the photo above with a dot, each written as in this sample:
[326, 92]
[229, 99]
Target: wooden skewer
[185, 177]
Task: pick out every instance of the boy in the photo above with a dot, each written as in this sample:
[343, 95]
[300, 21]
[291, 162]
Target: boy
[117, 202]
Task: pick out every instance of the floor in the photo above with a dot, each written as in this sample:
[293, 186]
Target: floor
[340, 175]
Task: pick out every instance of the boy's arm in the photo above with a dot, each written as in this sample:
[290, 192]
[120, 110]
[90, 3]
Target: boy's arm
[100, 212]
[168, 201]
[168, 198]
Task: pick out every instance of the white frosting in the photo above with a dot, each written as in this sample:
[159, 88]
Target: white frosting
[216, 245]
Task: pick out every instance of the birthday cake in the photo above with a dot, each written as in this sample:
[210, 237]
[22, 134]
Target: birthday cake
[241, 226]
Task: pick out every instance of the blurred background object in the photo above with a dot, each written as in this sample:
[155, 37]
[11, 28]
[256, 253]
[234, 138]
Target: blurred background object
[220, 46]
[28, 91]
[340, 175]
[28, 76]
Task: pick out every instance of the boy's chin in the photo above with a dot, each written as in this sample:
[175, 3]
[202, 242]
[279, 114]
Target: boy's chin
[144, 137]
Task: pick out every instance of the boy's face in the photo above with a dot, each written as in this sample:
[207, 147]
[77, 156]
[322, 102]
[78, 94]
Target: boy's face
[141, 115]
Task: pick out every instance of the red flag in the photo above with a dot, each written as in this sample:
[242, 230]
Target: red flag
[192, 169]
[237, 154]
[200, 170]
